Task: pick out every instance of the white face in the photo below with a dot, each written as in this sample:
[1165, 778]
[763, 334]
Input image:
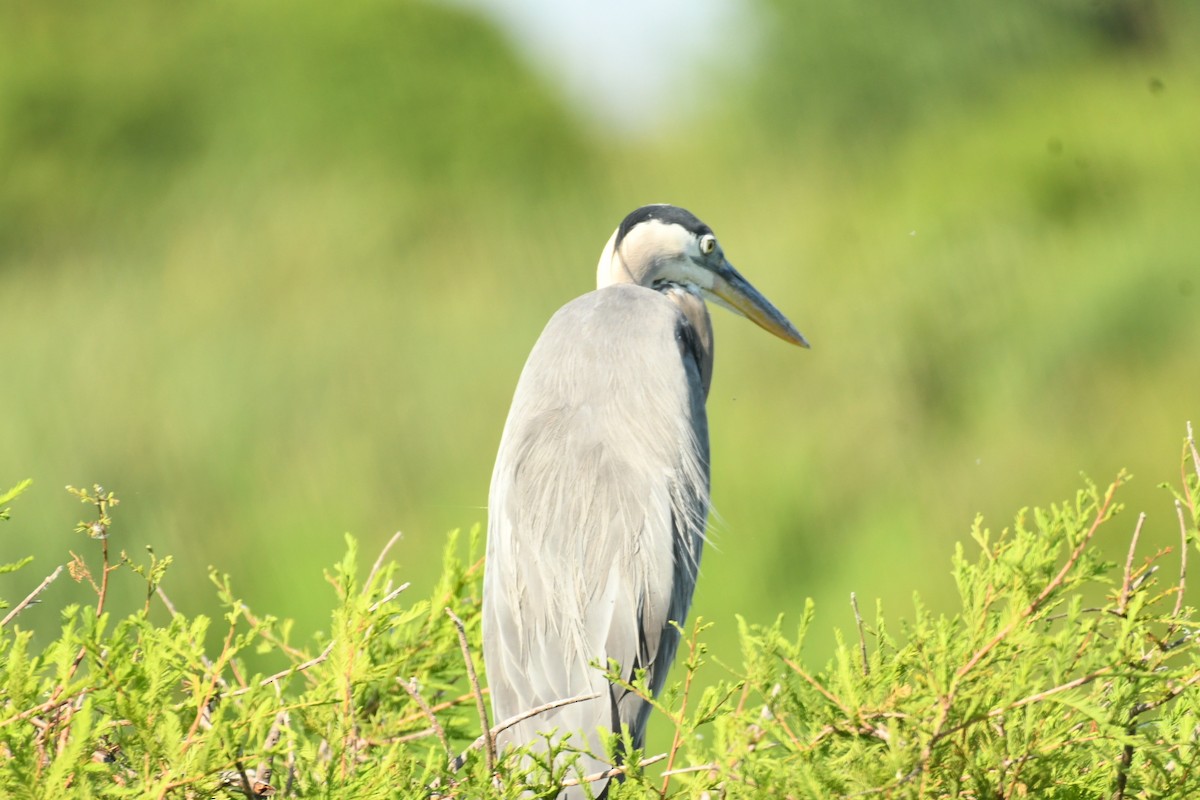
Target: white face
[657, 251]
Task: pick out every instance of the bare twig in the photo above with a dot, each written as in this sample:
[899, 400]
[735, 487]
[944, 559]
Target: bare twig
[312, 662]
[410, 686]
[862, 639]
[442, 706]
[1123, 600]
[499, 728]
[697, 768]
[158, 590]
[1142, 708]
[830, 696]
[1183, 551]
[489, 742]
[19, 607]
[1191, 440]
[266, 768]
[1042, 695]
[389, 597]
[611, 773]
[378, 565]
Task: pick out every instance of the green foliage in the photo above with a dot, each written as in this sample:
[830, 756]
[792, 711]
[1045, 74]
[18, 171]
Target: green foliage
[1063, 674]
[133, 706]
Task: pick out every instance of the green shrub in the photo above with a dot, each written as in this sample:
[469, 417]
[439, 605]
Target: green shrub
[1063, 674]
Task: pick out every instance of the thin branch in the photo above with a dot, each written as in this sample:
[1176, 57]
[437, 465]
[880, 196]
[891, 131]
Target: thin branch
[32, 596]
[862, 639]
[1142, 708]
[55, 699]
[1036, 697]
[1128, 575]
[1055, 583]
[533, 712]
[1042, 695]
[830, 696]
[697, 768]
[407, 737]
[442, 706]
[312, 662]
[677, 738]
[378, 565]
[489, 742]
[1183, 551]
[611, 773]
[389, 597]
[410, 686]
[946, 701]
[513, 720]
[1191, 441]
[104, 570]
[166, 601]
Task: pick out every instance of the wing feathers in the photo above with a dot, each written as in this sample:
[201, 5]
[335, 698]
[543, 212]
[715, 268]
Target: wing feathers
[597, 512]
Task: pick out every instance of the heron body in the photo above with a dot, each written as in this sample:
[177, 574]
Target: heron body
[600, 493]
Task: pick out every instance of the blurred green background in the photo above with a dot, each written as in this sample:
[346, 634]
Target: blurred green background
[270, 270]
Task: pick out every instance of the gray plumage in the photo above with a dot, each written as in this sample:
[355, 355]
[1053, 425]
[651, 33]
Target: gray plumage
[599, 496]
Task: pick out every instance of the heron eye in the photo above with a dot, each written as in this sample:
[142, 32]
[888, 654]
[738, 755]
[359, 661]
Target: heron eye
[708, 243]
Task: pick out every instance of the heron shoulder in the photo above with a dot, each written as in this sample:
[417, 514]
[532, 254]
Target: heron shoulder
[627, 315]
[617, 358]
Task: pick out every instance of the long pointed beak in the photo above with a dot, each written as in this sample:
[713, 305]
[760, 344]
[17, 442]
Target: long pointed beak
[734, 292]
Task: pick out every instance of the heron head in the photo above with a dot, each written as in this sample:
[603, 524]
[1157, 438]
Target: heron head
[657, 245]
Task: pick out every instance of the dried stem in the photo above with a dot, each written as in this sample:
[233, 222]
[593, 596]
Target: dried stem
[1191, 446]
[489, 742]
[862, 639]
[513, 720]
[378, 565]
[442, 706]
[813, 682]
[410, 686]
[312, 662]
[1042, 695]
[103, 577]
[1142, 708]
[1183, 551]
[31, 596]
[389, 597]
[611, 773]
[1126, 582]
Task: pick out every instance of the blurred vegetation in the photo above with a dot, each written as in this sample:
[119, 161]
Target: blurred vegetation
[271, 270]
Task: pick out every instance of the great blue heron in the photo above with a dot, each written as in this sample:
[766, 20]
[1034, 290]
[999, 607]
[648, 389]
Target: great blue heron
[599, 496]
